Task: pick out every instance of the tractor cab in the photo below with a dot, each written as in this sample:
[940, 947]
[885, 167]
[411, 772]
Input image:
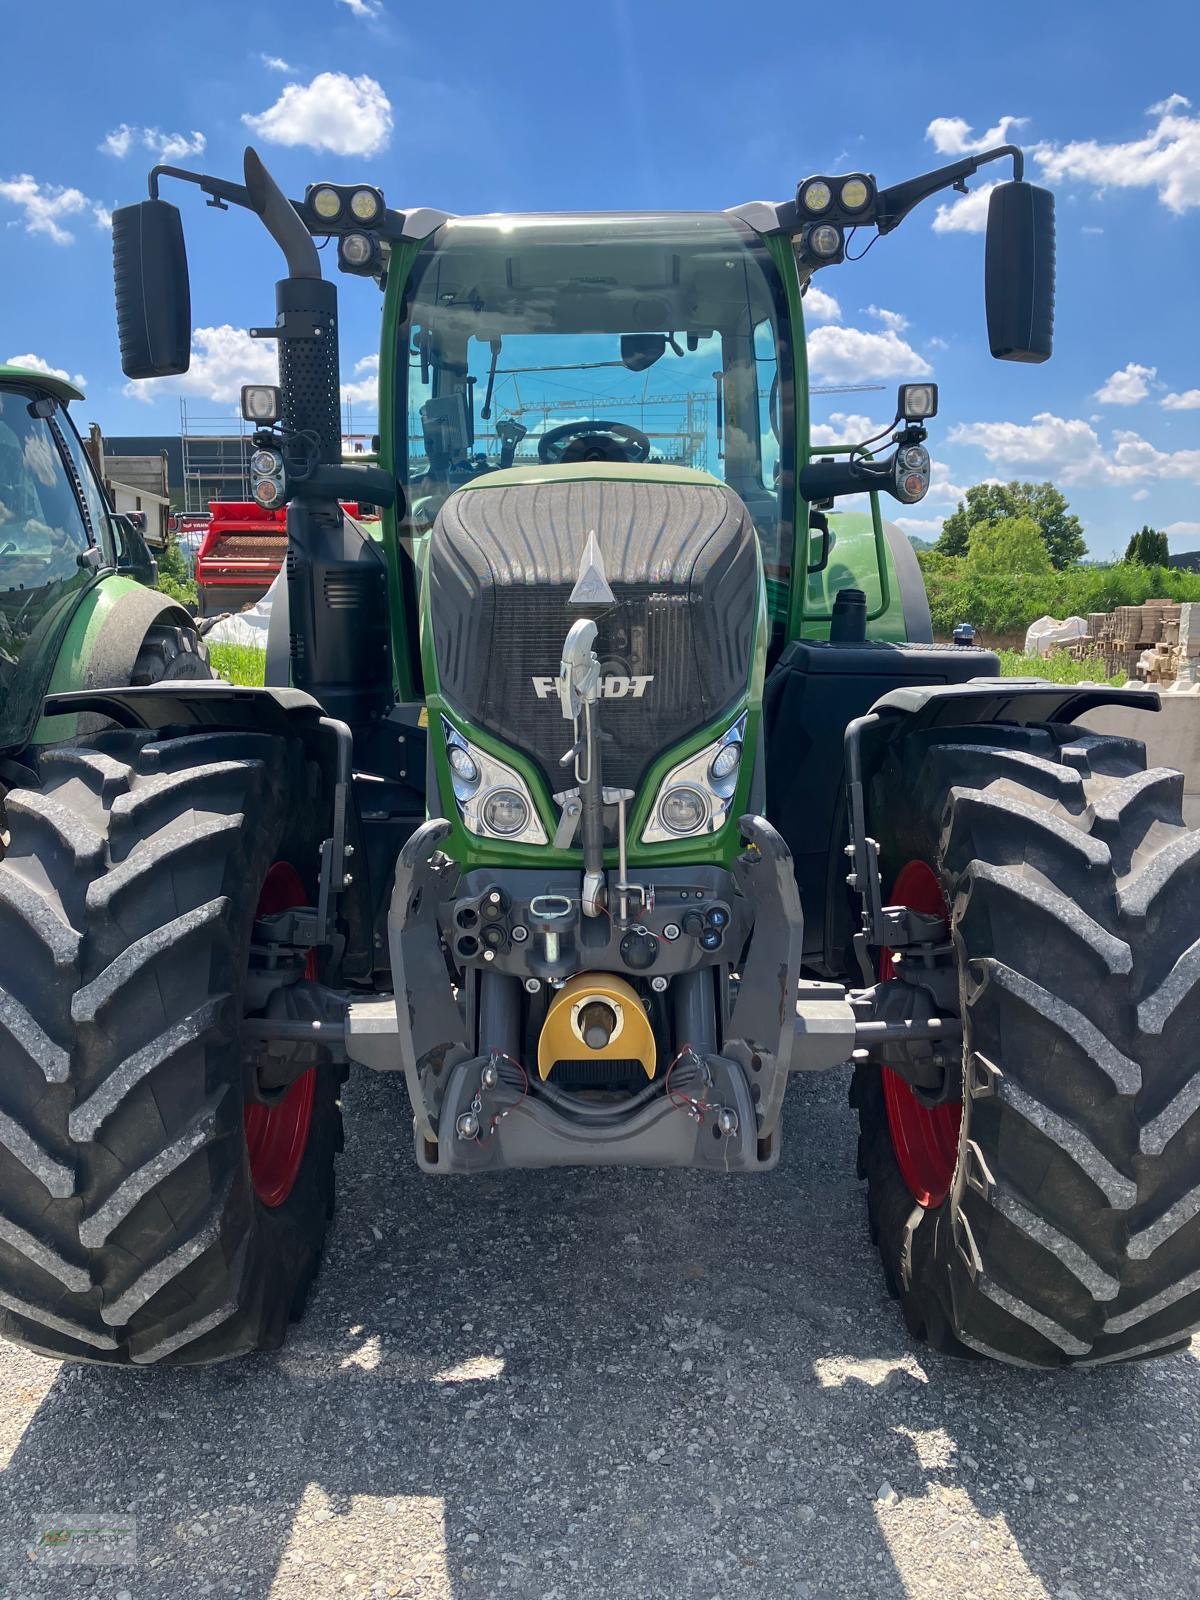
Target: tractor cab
[53, 528]
[545, 341]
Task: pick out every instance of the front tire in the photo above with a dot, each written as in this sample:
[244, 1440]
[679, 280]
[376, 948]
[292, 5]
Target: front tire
[170, 652]
[130, 1226]
[1069, 1229]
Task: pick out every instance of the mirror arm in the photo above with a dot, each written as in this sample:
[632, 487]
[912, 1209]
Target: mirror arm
[262, 195]
[894, 204]
[223, 193]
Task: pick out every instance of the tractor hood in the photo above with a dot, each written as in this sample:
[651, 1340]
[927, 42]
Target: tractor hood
[677, 649]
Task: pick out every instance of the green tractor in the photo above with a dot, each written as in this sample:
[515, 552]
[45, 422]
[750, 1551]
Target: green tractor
[620, 781]
[76, 611]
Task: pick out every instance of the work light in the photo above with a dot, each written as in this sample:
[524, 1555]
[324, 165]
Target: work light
[854, 194]
[916, 402]
[326, 202]
[261, 402]
[366, 205]
[816, 196]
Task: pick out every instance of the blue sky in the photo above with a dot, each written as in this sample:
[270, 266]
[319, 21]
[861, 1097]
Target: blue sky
[655, 103]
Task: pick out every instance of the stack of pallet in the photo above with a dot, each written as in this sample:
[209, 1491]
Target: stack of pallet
[1160, 661]
[1186, 647]
[1141, 641]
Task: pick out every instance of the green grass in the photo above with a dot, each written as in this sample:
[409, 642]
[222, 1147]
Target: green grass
[1058, 667]
[246, 665]
[240, 663]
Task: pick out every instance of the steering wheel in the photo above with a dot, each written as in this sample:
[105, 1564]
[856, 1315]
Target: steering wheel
[593, 441]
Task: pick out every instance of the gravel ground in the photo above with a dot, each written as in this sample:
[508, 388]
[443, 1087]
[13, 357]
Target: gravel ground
[607, 1383]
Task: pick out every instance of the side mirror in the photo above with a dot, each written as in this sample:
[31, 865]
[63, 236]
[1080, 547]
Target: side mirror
[1019, 272]
[154, 304]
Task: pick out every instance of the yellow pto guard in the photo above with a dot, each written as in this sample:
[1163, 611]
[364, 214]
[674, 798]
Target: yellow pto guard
[596, 1017]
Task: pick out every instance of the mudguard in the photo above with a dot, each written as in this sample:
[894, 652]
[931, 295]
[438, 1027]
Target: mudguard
[193, 702]
[1020, 700]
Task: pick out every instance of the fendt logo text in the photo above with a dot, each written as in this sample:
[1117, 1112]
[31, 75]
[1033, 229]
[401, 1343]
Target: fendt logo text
[614, 687]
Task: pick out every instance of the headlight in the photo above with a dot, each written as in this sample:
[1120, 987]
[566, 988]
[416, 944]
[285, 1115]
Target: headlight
[683, 809]
[492, 798]
[825, 241]
[464, 767]
[505, 812]
[726, 762]
[695, 796]
[357, 249]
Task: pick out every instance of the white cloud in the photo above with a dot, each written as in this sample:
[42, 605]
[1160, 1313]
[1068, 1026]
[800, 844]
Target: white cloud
[852, 355]
[1069, 450]
[174, 146]
[364, 388]
[1187, 400]
[46, 205]
[968, 215]
[1140, 494]
[365, 9]
[923, 527]
[952, 136]
[1167, 159]
[102, 215]
[844, 428]
[163, 146]
[120, 141]
[347, 116]
[275, 63]
[1182, 530]
[819, 306]
[943, 490]
[890, 319]
[1087, 229]
[34, 363]
[223, 359]
[1127, 387]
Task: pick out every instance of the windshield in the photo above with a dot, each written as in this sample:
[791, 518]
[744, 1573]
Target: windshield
[573, 339]
[42, 533]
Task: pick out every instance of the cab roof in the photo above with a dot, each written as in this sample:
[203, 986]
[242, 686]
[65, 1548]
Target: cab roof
[58, 387]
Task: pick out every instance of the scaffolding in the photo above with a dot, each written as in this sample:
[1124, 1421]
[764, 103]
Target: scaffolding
[216, 458]
[216, 453]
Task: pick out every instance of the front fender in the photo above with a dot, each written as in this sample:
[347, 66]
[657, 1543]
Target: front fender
[1020, 700]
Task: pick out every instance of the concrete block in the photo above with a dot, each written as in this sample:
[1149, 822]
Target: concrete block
[1171, 737]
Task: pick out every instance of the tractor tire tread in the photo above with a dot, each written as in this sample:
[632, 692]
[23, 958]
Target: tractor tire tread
[129, 1229]
[1071, 1233]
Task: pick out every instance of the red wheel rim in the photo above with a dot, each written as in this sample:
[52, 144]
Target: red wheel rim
[277, 1136]
[924, 1139]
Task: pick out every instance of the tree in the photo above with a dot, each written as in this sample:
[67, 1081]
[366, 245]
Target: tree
[1148, 548]
[1059, 527]
[174, 579]
[1009, 545]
